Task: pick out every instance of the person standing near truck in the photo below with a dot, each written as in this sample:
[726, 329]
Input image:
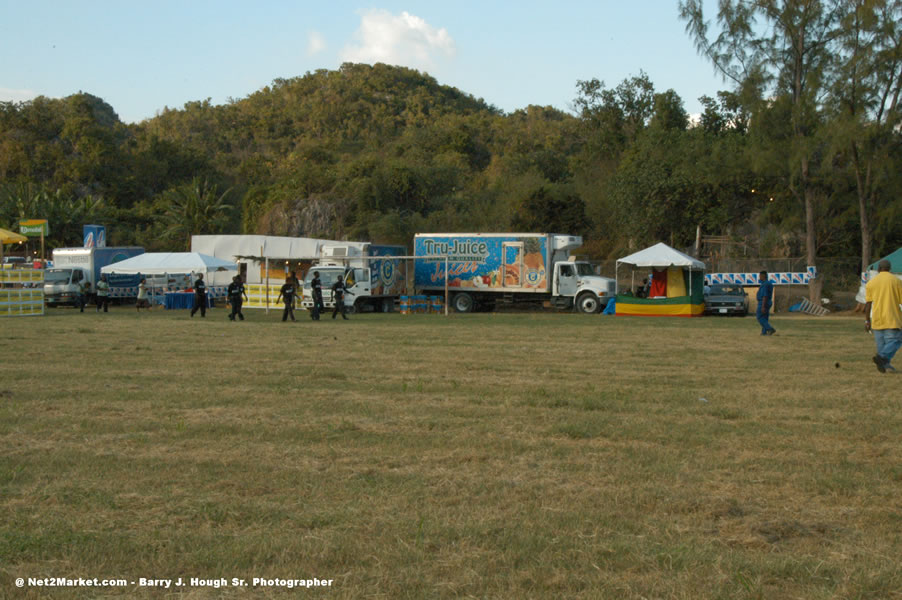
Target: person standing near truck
[338, 295]
[235, 292]
[142, 296]
[287, 292]
[317, 286]
[103, 294]
[84, 288]
[765, 301]
[200, 296]
[883, 316]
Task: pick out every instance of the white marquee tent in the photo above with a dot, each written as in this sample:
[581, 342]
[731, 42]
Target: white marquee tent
[156, 263]
[661, 255]
[259, 250]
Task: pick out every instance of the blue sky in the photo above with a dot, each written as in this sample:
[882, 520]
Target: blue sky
[143, 56]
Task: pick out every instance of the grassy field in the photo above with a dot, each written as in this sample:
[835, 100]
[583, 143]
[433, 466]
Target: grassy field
[532, 455]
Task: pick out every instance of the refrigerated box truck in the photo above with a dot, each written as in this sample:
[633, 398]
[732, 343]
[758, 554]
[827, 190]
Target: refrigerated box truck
[374, 279]
[73, 266]
[485, 269]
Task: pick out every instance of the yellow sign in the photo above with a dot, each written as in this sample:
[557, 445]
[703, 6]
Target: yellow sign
[21, 276]
[21, 302]
[256, 295]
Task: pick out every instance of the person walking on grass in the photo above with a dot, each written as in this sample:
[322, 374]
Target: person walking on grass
[103, 294]
[316, 285]
[883, 317]
[235, 292]
[142, 296]
[765, 301]
[338, 296]
[200, 296]
[287, 292]
[84, 288]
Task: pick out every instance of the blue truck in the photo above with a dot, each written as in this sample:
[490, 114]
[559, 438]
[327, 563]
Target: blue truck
[484, 269]
[74, 266]
[373, 277]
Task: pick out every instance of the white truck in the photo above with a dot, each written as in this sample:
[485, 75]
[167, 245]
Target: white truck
[73, 266]
[485, 269]
[374, 279]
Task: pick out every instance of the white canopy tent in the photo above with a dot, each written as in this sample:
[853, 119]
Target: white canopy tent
[157, 263]
[661, 255]
[263, 250]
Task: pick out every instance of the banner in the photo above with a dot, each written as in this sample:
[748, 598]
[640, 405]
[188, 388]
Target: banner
[94, 236]
[34, 227]
[26, 297]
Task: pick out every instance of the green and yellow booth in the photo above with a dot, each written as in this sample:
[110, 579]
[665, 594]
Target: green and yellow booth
[676, 284]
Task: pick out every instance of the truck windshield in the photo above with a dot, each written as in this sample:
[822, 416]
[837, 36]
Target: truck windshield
[55, 276]
[326, 276]
[584, 269]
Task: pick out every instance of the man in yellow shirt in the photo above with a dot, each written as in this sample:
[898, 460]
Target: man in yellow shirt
[883, 315]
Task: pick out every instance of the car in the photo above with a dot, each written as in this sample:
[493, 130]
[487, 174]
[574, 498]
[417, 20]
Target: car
[726, 300]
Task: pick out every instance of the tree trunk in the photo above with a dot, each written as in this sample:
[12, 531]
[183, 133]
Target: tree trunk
[815, 285]
[864, 220]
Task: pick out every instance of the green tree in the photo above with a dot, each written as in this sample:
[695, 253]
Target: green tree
[194, 208]
[864, 105]
[778, 48]
[65, 212]
[552, 208]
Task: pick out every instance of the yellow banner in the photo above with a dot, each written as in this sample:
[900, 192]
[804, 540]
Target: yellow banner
[21, 276]
[256, 295]
[21, 302]
[660, 310]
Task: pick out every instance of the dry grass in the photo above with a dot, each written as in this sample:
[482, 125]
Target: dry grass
[483, 456]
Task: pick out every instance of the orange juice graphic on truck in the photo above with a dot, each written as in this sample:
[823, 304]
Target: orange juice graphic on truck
[485, 269]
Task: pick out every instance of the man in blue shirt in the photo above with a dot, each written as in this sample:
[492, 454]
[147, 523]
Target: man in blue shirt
[765, 301]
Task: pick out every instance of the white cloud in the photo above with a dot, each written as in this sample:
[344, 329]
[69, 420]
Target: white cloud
[404, 39]
[316, 43]
[8, 95]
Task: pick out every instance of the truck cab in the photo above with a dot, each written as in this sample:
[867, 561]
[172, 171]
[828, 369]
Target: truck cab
[358, 281]
[576, 284]
[62, 285]
[327, 276]
[373, 276]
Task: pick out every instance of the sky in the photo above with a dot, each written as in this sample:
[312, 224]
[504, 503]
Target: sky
[141, 57]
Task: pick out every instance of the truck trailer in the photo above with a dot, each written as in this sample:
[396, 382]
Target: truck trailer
[374, 279]
[73, 266]
[485, 269]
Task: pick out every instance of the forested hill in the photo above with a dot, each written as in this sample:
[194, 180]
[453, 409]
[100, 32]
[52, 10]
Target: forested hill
[380, 152]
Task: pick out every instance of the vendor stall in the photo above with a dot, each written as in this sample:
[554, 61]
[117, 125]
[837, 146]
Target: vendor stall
[676, 288]
[168, 272]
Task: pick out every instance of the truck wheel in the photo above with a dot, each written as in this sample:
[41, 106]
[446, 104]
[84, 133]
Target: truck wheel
[587, 303]
[462, 302]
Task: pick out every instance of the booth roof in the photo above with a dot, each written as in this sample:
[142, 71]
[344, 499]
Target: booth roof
[895, 261]
[662, 255]
[170, 262]
[260, 247]
[11, 237]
